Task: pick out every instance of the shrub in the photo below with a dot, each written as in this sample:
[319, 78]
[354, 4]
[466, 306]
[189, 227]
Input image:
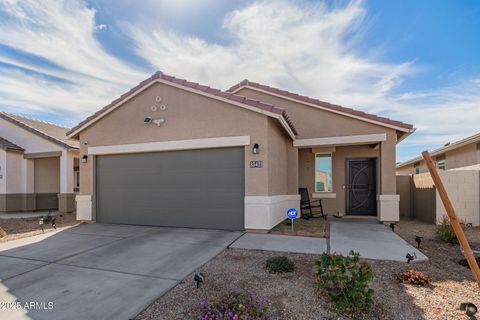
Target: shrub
[279, 264]
[236, 304]
[464, 262]
[345, 280]
[445, 231]
[3, 233]
[413, 277]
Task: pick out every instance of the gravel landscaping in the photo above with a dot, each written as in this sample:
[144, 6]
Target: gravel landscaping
[295, 295]
[27, 227]
[313, 227]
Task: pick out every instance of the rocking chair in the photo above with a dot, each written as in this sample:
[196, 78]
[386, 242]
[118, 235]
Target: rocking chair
[310, 209]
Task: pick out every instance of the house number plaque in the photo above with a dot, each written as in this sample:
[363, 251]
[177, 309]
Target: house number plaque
[256, 164]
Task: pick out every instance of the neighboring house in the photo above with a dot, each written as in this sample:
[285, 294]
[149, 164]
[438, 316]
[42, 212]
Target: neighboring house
[38, 166]
[458, 164]
[176, 153]
[462, 154]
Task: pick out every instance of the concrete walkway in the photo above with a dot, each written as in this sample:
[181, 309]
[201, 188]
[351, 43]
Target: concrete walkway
[281, 243]
[371, 239]
[101, 271]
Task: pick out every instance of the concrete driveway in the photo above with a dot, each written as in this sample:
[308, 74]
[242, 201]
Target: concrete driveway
[100, 271]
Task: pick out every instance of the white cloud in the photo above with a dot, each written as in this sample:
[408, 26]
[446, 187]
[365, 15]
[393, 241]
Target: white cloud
[80, 75]
[309, 48]
[100, 27]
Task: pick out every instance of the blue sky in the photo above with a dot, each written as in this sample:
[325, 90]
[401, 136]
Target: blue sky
[414, 61]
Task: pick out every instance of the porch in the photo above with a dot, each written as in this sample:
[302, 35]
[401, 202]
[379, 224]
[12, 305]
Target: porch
[40, 181]
[351, 175]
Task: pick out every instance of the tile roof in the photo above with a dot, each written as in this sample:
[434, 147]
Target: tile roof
[327, 105]
[5, 144]
[46, 130]
[197, 87]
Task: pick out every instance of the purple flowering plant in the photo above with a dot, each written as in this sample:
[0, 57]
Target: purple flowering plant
[234, 305]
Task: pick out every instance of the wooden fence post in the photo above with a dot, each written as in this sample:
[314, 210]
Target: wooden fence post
[462, 239]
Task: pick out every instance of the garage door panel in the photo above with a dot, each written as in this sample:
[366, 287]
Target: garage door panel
[195, 188]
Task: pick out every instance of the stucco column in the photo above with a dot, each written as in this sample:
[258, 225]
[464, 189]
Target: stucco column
[84, 200]
[66, 198]
[28, 176]
[387, 199]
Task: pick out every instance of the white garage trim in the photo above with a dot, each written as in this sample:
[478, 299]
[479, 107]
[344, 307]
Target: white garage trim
[207, 143]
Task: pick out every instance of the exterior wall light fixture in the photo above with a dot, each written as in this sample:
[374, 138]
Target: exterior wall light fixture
[84, 159]
[256, 148]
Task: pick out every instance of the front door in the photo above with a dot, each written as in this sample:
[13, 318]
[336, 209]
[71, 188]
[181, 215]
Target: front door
[361, 186]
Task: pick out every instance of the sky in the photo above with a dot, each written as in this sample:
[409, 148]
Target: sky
[413, 61]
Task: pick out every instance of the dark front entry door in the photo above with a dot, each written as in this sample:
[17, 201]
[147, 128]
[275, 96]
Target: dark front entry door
[361, 186]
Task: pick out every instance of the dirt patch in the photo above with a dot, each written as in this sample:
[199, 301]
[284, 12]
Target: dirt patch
[27, 227]
[313, 227]
[295, 295]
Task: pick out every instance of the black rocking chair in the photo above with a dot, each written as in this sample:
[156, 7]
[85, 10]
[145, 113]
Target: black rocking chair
[310, 209]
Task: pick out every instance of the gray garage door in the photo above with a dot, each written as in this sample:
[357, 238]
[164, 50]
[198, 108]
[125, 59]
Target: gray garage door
[195, 188]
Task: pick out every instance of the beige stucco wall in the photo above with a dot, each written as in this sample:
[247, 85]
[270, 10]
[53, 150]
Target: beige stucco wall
[192, 116]
[465, 156]
[462, 157]
[47, 175]
[277, 159]
[463, 188]
[15, 172]
[3, 167]
[313, 122]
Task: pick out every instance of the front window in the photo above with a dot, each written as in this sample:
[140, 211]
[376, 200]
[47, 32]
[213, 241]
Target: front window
[417, 168]
[441, 162]
[323, 172]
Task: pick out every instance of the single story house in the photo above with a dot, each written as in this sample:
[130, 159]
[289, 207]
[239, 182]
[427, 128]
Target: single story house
[171, 152]
[461, 154]
[458, 165]
[39, 166]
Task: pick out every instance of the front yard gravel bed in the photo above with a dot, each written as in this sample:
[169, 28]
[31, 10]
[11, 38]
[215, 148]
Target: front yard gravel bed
[17, 228]
[295, 295]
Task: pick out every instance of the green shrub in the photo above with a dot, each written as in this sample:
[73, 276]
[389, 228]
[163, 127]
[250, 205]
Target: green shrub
[345, 280]
[236, 304]
[279, 264]
[445, 231]
[413, 277]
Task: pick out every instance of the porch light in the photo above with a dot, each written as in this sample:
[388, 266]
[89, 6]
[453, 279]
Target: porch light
[255, 148]
[410, 257]
[469, 308]
[199, 278]
[418, 239]
[84, 159]
[40, 222]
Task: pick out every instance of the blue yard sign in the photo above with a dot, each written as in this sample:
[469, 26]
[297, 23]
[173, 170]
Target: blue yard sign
[292, 213]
